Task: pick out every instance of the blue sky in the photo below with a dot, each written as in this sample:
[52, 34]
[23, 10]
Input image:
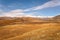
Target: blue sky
[29, 7]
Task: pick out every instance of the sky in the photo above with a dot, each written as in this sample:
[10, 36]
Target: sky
[29, 8]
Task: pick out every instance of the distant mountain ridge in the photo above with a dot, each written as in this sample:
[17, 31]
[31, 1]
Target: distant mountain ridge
[19, 20]
[57, 18]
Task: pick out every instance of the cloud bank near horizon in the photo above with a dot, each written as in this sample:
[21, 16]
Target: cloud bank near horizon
[20, 13]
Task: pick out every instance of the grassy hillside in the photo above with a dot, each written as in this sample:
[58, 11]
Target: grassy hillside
[11, 31]
[27, 20]
[16, 20]
[17, 29]
[27, 28]
[51, 32]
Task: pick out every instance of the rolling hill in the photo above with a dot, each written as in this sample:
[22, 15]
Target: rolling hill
[48, 32]
[18, 20]
[28, 28]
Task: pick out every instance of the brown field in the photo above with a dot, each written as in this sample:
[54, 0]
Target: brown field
[29, 29]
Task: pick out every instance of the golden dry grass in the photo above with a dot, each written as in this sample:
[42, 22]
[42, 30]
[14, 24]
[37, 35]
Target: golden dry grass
[29, 28]
[28, 31]
[48, 32]
[17, 29]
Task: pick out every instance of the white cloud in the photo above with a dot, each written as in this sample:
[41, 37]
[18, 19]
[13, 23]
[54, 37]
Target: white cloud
[1, 12]
[15, 13]
[48, 4]
[45, 16]
[20, 13]
[39, 16]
